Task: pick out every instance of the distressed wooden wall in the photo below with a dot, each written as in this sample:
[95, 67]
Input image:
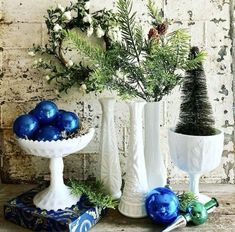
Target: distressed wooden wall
[210, 23]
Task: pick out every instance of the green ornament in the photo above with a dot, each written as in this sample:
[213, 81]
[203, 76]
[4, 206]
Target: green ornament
[197, 212]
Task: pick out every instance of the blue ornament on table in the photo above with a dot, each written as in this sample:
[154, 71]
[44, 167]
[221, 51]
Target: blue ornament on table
[162, 205]
[25, 125]
[47, 133]
[45, 111]
[67, 121]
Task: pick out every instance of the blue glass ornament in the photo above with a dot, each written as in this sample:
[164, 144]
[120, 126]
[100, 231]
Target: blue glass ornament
[162, 205]
[67, 121]
[45, 111]
[47, 133]
[25, 125]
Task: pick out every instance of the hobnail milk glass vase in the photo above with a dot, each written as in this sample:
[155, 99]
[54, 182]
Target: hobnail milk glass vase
[110, 170]
[155, 167]
[132, 202]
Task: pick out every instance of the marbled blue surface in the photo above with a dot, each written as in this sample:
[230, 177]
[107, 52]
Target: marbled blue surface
[79, 218]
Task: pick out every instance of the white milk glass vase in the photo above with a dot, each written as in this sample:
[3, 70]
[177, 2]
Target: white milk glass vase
[110, 170]
[132, 202]
[155, 167]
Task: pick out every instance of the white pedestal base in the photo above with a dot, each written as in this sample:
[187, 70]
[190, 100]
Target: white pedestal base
[55, 199]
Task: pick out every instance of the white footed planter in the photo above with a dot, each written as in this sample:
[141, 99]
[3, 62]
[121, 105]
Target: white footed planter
[57, 195]
[196, 155]
[132, 202]
[110, 171]
[155, 167]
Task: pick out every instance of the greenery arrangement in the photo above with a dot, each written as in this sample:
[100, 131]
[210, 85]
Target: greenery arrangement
[95, 192]
[195, 111]
[65, 72]
[133, 63]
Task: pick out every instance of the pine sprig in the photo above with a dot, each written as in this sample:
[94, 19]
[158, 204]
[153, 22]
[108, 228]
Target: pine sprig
[131, 33]
[185, 198]
[154, 13]
[95, 192]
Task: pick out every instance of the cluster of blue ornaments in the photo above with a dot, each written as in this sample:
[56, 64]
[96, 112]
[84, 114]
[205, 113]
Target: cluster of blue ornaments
[45, 123]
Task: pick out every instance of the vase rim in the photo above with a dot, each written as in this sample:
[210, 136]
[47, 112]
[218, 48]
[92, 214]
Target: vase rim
[107, 98]
[218, 132]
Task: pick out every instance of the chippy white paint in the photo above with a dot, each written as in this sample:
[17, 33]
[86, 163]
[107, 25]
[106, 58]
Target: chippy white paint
[21, 87]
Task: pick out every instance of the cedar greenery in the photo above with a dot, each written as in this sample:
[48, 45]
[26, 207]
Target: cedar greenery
[195, 111]
[139, 67]
[95, 192]
[185, 198]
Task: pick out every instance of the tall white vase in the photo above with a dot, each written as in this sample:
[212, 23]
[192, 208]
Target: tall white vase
[110, 171]
[155, 167]
[132, 202]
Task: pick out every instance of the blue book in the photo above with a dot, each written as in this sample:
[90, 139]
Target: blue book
[79, 218]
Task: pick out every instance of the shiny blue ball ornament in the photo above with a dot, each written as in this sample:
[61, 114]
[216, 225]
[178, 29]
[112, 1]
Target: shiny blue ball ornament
[67, 121]
[25, 125]
[47, 133]
[162, 205]
[45, 111]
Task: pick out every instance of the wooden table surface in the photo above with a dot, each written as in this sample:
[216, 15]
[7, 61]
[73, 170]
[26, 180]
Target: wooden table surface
[222, 219]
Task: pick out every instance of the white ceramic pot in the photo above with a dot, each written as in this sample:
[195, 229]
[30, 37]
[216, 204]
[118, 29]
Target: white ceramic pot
[132, 202]
[196, 155]
[109, 164]
[155, 167]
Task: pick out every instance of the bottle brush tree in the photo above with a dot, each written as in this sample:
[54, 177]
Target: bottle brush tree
[195, 111]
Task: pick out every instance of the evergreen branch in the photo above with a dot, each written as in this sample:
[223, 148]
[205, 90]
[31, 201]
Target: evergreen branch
[185, 198]
[94, 53]
[192, 64]
[131, 33]
[95, 192]
[154, 12]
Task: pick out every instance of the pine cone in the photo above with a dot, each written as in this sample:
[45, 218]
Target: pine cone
[153, 34]
[162, 28]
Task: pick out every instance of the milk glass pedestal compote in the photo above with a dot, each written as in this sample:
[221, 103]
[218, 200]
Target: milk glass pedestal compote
[196, 155]
[57, 195]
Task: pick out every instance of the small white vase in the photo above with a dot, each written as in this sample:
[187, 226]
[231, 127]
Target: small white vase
[110, 170]
[196, 155]
[132, 202]
[155, 167]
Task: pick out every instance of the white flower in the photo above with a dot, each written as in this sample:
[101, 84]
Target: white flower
[87, 5]
[83, 87]
[40, 60]
[57, 27]
[87, 18]
[90, 31]
[115, 34]
[69, 63]
[60, 7]
[35, 62]
[99, 31]
[67, 15]
[47, 77]
[31, 53]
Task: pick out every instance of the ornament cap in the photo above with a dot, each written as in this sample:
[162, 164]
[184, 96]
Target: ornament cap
[178, 223]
